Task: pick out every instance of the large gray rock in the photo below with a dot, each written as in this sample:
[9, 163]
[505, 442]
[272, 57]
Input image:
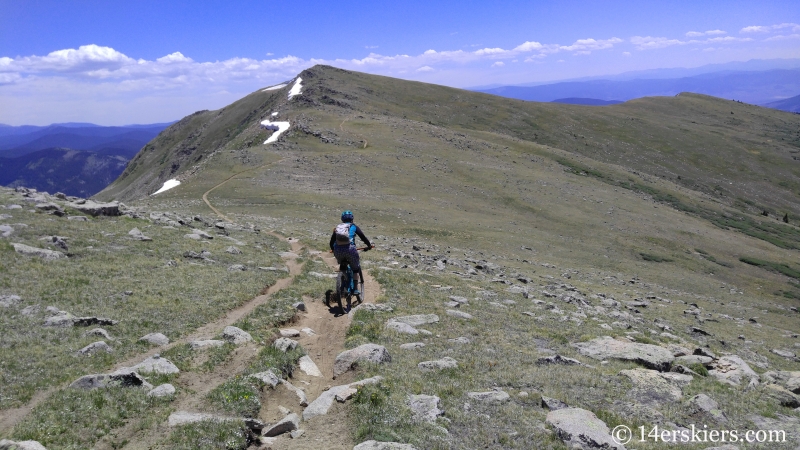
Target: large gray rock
[497, 396]
[156, 364]
[98, 332]
[284, 344]
[122, 377]
[323, 403]
[425, 408]
[401, 327]
[236, 335]
[788, 379]
[308, 366]
[581, 429]
[60, 319]
[606, 347]
[5, 444]
[706, 405]
[348, 360]
[164, 390]
[138, 235]
[9, 300]
[6, 230]
[439, 364]
[654, 387]
[301, 394]
[48, 255]
[268, 378]
[731, 369]
[95, 347]
[459, 314]
[375, 445]
[417, 320]
[98, 209]
[155, 339]
[287, 424]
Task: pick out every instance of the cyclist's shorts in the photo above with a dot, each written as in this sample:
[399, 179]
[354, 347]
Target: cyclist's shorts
[347, 254]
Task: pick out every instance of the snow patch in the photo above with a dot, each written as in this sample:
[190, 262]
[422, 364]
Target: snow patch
[296, 88]
[169, 184]
[278, 128]
[275, 114]
[277, 86]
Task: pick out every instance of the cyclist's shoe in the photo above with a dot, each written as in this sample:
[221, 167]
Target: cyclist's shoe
[356, 292]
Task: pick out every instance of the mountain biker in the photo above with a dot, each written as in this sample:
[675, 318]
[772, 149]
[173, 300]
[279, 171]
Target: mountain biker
[343, 244]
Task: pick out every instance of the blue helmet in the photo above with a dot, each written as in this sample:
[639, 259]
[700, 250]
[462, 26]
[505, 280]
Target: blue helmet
[347, 216]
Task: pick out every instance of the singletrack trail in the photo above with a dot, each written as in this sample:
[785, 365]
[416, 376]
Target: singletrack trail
[205, 194]
[357, 134]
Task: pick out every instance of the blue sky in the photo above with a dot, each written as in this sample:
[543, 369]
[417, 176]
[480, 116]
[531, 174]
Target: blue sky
[115, 62]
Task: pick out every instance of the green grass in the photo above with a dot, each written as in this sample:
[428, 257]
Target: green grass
[781, 268]
[654, 258]
[238, 396]
[210, 435]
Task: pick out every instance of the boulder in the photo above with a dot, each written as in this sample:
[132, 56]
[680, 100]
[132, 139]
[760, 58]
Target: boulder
[290, 332]
[98, 332]
[236, 335]
[301, 395]
[731, 369]
[60, 319]
[425, 408]
[345, 395]
[308, 366]
[6, 444]
[439, 364]
[138, 235]
[497, 396]
[458, 314]
[300, 306]
[95, 347]
[553, 404]
[323, 403]
[268, 378]
[237, 268]
[233, 250]
[412, 345]
[164, 390]
[701, 403]
[9, 300]
[417, 320]
[89, 321]
[783, 396]
[122, 377]
[155, 339]
[284, 344]
[6, 230]
[688, 360]
[650, 387]
[287, 424]
[98, 209]
[156, 364]
[401, 327]
[375, 445]
[606, 347]
[348, 360]
[581, 429]
[558, 359]
[48, 255]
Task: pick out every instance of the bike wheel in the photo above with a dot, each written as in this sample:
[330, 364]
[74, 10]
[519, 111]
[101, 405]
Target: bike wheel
[341, 289]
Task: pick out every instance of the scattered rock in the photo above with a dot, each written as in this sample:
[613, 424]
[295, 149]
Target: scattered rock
[206, 343]
[308, 331]
[458, 314]
[653, 387]
[425, 408]
[323, 403]
[138, 235]
[417, 320]
[89, 321]
[553, 404]
[606, 347]
[290, 332]
[368, 352]
[164, 390]
[308, 366]
[375, 445]
[401, 327]
[60, 319]
[412, 345]
[300, 306]
[460, 340]
[98, 332]
[284, 344]
[155, 339]
[156, 364]
[98, 209]
[581, 429]
[380, 307]
[94, 347]
[48, 255]
[233, 250]
[439, 364]
[688, 360]
[785, 353]
[122, 377]
[783, 396]
[496, 396]
[301, 395]
[558, 359]
[6, 230]
[731, 369]
[268, 378]
[237, 268]
[9, 300]
[6, 444]
[236, 336]
[296, 434]
[345, 395]
[704, 404]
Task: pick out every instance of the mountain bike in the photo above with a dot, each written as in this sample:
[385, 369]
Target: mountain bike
[346, 289]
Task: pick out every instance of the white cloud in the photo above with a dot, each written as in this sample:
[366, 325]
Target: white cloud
[694, 34]
[783, 37]
[528, 46]
[425, 69]
[705, 33]
[770, 28]
[591, 44]
[713, 32]
[174, 58]
[369, 47]
[498, 64]
[626, 53]
[649, 42]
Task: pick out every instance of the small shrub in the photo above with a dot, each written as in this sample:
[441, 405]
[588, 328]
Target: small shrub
[238, 396]
[699, 368]
[654, 258]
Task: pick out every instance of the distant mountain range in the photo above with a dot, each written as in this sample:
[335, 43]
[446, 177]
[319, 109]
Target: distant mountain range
[586, 101]
[790, 104]
[74, 158]
[756, 87]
